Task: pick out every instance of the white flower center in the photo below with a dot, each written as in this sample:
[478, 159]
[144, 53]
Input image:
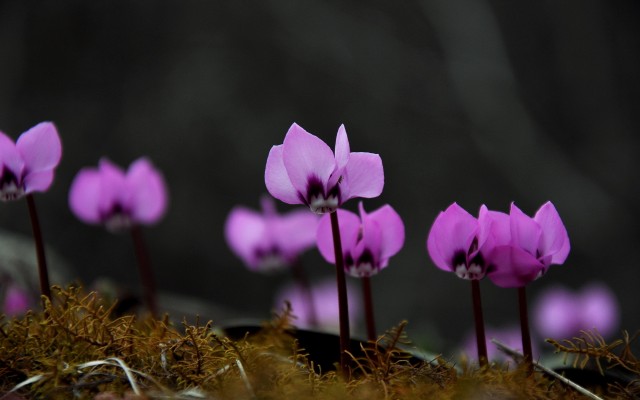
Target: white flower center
[472, 272]
[272, 262]
[11, 191]
[361, 270]
[118, 222]
[321, 205]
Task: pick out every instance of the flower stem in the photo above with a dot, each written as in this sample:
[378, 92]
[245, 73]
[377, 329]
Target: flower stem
[368, 308]
[303, 284]
[524, 325]
[146, 273]
[481, 341]
[343, 305]
[45, 287]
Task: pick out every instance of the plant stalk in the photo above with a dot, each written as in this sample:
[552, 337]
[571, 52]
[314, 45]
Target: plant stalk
[146, 273]
[524, 325]
[343, 305]
[45, 287]
[368, 308]
[481, 341]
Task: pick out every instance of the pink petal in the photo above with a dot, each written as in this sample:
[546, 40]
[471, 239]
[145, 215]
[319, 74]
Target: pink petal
[277, 179]
[392, 229]
[364, 176]
[342, 148]
[452, 231]
[113, 188]
[40, 147]
[9, 156]
[557, 313]
[295, 232]
[554, 241]
[84, 195]
[494, 225]
[349, 225]
[150, 198]
[525, 232]
[599, 309]
[38, 181]
[304, 156]
[16, 301]
[511, 266]
[245, 231]
[371, 237]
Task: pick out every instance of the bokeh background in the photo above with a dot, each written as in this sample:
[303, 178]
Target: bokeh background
[471, 101]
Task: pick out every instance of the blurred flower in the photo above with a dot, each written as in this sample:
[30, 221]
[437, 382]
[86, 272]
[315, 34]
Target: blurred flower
[27, 165]
[525, 246]
[269, 241]
[325, 301]
[509, 335]
[304, 170]
[460, 243]
[106, 195]
[368, 240]
[562, 313]
[16, 301]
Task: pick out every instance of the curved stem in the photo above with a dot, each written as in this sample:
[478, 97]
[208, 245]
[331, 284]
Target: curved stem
[481, 340]
[45, 287]
[368, 308]
[146, 273]
[343, 305]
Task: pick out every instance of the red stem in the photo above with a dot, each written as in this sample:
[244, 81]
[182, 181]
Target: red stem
[481, 341]
[368, 308]
[146, 273]
[343, 305]
[524, 325]
[45, 287]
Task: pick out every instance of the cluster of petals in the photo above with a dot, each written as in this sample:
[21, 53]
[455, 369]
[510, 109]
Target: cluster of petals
[28, 165]
[304, 170]
[267, 241]
[368, 240]
[511, 249]
[562, 313]
[117, 199]
[325, 302]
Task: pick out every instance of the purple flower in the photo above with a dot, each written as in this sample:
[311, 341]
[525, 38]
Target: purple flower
[107, 195]
[525, 247]
[27, 165]
[460, 243]
[16, 301]
[562, 313]
[368, 240]
[269, 241]
[325, 301]
[304, 170]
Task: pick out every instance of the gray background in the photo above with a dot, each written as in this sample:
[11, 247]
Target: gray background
[465, 100]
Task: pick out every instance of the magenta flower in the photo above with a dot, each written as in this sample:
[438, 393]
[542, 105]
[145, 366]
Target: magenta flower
[107, 195]
[460, 243]
[562, 313]
[28, 164]
[304, 170]
[325, 303]
[368, 240]
[268, 241]
[525, 247]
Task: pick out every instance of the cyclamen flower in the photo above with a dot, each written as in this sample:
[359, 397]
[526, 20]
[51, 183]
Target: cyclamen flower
[525, 247]
[562, 313]
[269, 241]
[107, 195]
[304, 170]
[368, 240]
[27, 165]
[458, 242]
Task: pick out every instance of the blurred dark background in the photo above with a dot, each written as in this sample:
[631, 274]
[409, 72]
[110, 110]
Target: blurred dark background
[465, 100]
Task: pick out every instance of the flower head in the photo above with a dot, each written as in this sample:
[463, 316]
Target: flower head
[304, 170]
[458, 242]
[562, 313]
[27, 165]
[368, 240]
[325, 301]
[525, 247]
[269, 241]
[107, 195]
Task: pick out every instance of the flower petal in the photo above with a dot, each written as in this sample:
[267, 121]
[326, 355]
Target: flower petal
[149, 192]
[525, 232]
[342, 148]
[349, 225]
[453, 230]
[84, 195]
[557, 313]
[294, 232]
[364, 176]
[511, 266]
[305, 156]
[391, 227]
[554, 240]
[113, 189]
[40, 147]
[9, 156]
[599, 309]
[38, 181]
[245, 231]
[277, 180]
